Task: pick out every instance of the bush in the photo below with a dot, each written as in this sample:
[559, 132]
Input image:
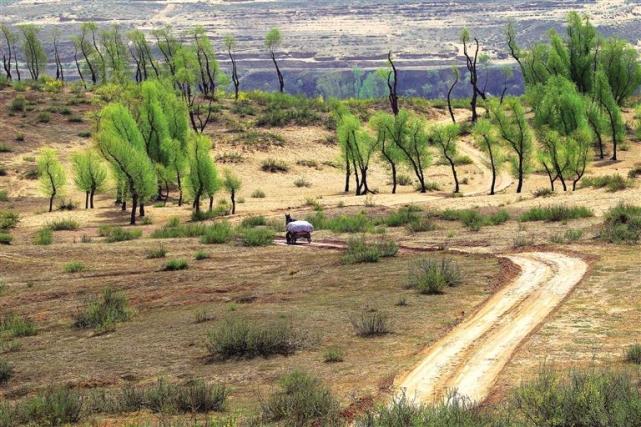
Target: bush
[403, 216]
[613, 183]
[556, 213]
[5, 148]
[622, 225]
[370, 323]
[253, 221]
[302, 182]
[358, 223]
[333, 355]
[74, 267]
[53, 407]
[103, 313]
[301, 401]
[633, 354]
[4, 197]
[430, 276]
[67, 205]
[421, 225]
[473, 219]
[218, 233]
[44, 236]
[5, 238]
[274, 166]
[17, 326]
[239, 338]
[404, 180]
[18, 104]
[118, 234]
[176, 230]
[44, 117]
[257, 237]
[359, 250]
[635, 171]
[176, 264]
[258, 194]
[159, 252]
[8, 219]
[583, 398]
[63, 224]
[6, 372]
[201, 255]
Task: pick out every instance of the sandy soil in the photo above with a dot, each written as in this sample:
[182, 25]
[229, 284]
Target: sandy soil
[469, 359]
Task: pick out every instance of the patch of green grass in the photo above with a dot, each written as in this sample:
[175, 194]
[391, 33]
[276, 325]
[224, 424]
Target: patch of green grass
[429, 276]
[239, 338]
[176, 264]
[63, 224]
[359, 250]
[633, 354]
[256, 236]
[473, 219]
[44, 237]
[556, 213]
[172, 231]
[302, 182]
[218, 233]
[74, 267]
[159, 252]
[622, 225]
[613, 183]
[253, 221]
[370, 323]
[201, 255]
[4, 148]
[8, 219]
[105, 312]
[17, 326]
[4, 197]
[302, 400]
[118, 234]
[358, 223]
[258, 194]
[6, 372]
[274, 166]
[5, 238]
[333, 355]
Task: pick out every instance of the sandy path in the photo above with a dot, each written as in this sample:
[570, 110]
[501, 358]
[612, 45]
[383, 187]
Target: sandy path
[470, 357]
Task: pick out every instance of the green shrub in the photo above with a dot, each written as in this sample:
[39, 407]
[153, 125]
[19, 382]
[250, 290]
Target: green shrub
[430, 276]
[253, 221]
[613, 183]
[6, 372]
[240, 338]
[274, 166]
[44, 117]
[583, 398]
[404, 180]
[302, 182]
[63, 224]
[622, 225]
[258, 194]
[633, 354]
[44, 236]
[103, 313]
[176, 264]
[257, 237]
[556, 213]
[171, 231]
[18, 326]
[5, 238]
[301, 401]
[4, 148]
[635, 171]
[8, 219]
[18, 104]
[359, 250]
[201, 255]
[74, 267]
[421, 225]
[370, 323]
[403, 216]
[358, 223]
[53, 407]
[218, 233]
[333, 355]
[67, 205]
[119, 234]
[473, 219]
[573, 234]
[159, 252]
[543, 192]
[84, 134]
[4, 197]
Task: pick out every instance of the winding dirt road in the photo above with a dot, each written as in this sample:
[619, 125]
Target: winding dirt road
[469, 359]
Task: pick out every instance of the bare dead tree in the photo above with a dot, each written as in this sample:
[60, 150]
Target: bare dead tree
[472, 67]
[457, 75]
[392, 83]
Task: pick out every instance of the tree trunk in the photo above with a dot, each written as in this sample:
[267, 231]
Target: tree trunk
[93, 192]
[86, 200]
[134, 206]
[456, 184]
[233, 202]
[348, 175]
[281, 82]
[197, 203]
[393, 177]
[142, 209]
[211, 203]
[520, 184]
[180, 190]
[51, 202]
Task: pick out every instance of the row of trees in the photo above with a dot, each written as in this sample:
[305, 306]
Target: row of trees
[146, 140]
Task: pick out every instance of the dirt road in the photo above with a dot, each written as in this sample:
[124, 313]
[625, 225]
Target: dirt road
[470, 357]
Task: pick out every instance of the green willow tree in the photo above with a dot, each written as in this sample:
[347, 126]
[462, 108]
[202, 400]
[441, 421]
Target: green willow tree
[51, 174]
[115, 55]
[232, 184]
[203, 177]
[357, 149]
[487, 139]
[445, 138]
[515, 132]
[273, 40]
[34, 54]
[90, 174]
[602, 95]
[387, 128]
[122, 145]
[619, 60]
[9, 52]
[140, 50]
